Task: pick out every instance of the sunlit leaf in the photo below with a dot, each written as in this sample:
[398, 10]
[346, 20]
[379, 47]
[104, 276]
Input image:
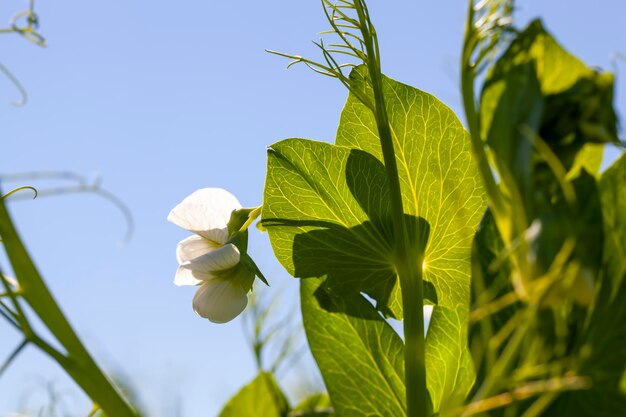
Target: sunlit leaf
[326, 210]
[448, 361]
[589, 158]
[441, 184]
[359, 354]
[260, 398]
[564, 102]
[439, 179]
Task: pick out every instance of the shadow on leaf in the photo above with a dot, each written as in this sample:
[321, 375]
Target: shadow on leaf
[359, 259]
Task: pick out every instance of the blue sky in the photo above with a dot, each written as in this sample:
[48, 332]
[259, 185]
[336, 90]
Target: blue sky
[163, 98]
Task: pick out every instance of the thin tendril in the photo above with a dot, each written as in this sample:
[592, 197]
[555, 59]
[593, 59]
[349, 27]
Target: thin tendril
[13, 355]
[348, 29]
[82, 186]
[18, 189]
[17, 84]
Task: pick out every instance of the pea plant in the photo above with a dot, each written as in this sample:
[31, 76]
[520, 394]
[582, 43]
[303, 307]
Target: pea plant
[506, 227]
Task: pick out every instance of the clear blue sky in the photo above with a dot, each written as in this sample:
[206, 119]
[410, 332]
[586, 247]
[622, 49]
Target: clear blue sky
[163, 98]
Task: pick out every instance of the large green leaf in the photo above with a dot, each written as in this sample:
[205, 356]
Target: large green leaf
[359, 354]
[559, 99]
[260, 398]
[556, 70]
[448, 361]
[326, 210]
[544, 113]
[440, 182]
[603, 351]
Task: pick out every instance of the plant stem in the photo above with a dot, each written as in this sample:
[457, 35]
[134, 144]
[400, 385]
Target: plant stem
[12, 356]
[408, 267]
[78, 363]
[468, 75]
[495, 200]
[408, 263]
[417, 399]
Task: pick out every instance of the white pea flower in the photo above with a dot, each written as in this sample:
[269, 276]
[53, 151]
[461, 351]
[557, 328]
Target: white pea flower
[208, 259]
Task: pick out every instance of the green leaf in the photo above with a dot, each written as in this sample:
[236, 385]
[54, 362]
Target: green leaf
[601, 357]
[260, 398]
[557, 69]
[565, 103]
[440, 182]
[316, 405]
[326, 211]
[606, 335]
[252, 266]
[600, 353]
[588, 158]
[237, 219]
[448, 362]
[359, 354]
[612, 186]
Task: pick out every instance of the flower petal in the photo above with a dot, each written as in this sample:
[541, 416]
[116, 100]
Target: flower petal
[219, 300]
[217, 260]
[194, 246]
[186, 276]
[206, 212]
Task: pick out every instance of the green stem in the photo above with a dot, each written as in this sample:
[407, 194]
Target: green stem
[468, 75]
[417, 399]
[408, 267]
[408, 263]
[509, 216]
[78, 363]
[467, 86]
[12, 356]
